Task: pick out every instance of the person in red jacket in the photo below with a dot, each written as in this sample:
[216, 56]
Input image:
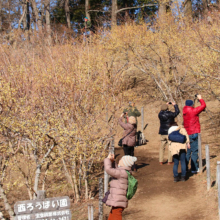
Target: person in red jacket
[192, 126]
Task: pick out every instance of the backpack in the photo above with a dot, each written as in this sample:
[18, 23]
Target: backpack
[141, 139]
[175, 136]
[132, 186]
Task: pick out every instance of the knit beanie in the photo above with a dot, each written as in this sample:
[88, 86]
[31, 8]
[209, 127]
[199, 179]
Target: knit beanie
[164, 107]
[128, 161]
[189, 103]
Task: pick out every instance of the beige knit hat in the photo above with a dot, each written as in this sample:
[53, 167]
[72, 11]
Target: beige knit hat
[128, 161]
[132, 120]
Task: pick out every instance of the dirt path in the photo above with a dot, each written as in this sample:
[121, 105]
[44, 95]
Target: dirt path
[158, 197]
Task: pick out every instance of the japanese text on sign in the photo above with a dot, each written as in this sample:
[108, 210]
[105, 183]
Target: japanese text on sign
[60, 215]
[43, 205]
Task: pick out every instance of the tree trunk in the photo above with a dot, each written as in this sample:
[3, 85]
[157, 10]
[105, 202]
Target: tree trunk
[45, 176]
[85, 177]
[87, 6]
[205, 6]
[36, 14]
[1, 15]
[162, 10]
[36, 180]
[74, 180]
[86, 188]
[67, 13]
[8, 207]
[47, 9]
[126, 12]
[69, 178]
[9, 16]
[188, 9]
[28, 16]
[114, 12]
[23, 17]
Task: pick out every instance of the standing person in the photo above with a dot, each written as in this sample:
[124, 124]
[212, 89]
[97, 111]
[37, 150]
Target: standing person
[87, 28]
[178, 151]
[87, 24]
[166, 118]
[130, 130]
[129, 136]
[192, 126]
[131, 110]
[117, 198]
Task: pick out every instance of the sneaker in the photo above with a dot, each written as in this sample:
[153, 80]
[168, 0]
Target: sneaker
[197, 171]
[161, 163]
[170, 163]
[176, 179]
[183, 178]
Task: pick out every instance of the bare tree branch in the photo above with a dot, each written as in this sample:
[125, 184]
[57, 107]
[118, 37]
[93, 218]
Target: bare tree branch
[128, 8]
[98, 11]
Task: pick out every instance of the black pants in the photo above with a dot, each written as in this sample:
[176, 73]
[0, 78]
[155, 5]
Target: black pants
[128, 150]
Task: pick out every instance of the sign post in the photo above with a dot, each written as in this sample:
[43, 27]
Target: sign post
[208, 167]
[43, 209]
[200, 152]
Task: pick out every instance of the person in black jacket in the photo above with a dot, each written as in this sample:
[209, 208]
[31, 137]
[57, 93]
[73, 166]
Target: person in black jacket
[166, 118]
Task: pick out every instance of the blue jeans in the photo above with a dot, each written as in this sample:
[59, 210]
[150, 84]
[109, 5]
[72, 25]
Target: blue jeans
[182, 158]
[192, 152]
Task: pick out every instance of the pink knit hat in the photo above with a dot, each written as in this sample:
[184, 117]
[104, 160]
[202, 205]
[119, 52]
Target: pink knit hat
[128, 161]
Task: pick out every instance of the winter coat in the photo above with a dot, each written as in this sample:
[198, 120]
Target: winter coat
[191, 118]
[129, 140]
[175, 147]
[118, 185]
[87, 24]
[167, 117]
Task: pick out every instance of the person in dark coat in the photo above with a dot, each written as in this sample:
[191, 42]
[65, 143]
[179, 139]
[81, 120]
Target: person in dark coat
[166, 118]
[192, 126]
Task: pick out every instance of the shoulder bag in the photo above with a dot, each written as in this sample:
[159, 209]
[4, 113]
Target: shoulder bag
[120, 141]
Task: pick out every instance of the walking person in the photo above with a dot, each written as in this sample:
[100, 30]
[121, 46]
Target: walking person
[178, 150]
[129, 136]
[192, 126]
[117, 198]
[166, 118]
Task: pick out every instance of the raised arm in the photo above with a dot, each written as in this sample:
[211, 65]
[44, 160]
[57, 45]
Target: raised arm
[109, 170]
[200, 108]
[123, 125]
[177, 111]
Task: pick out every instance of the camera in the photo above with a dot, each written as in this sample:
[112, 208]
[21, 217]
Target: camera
[196, 95]
[170, 103]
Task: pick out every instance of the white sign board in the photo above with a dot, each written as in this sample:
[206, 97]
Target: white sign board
[43, 209]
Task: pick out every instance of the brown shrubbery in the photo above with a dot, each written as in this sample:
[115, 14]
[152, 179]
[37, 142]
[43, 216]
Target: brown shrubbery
[54, 97]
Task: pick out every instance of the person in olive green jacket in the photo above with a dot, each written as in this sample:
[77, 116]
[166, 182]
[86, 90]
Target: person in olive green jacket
[131, 110]
[87, 24]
